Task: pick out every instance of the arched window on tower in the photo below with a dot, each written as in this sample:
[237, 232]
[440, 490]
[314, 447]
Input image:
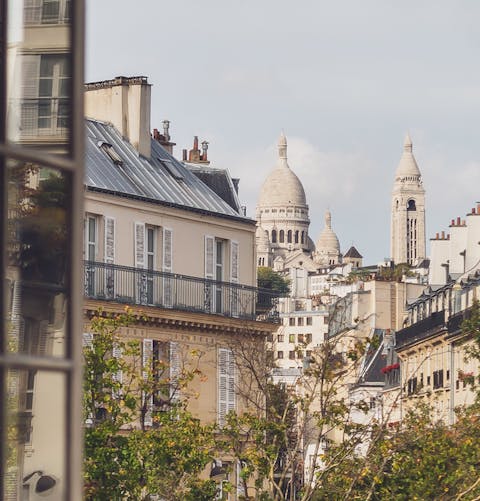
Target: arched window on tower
[296, 237]
[411, 205]
[289, 236]
[396, 204]
[281, 237]
[274, 236]
[303, 237]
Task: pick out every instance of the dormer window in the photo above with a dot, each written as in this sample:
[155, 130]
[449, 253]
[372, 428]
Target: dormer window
[110, 151]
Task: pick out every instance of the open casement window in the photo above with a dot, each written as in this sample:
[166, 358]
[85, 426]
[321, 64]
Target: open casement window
[209, 272]
[167, 266]
[109, 256]
[147, 399]
[151, 263]
[226, 384]
[234, 278]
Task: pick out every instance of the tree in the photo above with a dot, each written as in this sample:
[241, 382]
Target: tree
[125, 458]
[272, 280]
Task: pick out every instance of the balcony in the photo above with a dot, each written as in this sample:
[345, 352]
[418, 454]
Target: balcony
[136, 286]
[455, 321]
[421, 330]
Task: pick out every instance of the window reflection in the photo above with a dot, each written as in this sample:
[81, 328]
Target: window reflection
[35, 435]
[38, 253]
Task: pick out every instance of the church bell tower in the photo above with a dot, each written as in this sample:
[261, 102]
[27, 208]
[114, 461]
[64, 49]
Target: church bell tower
[408, 210]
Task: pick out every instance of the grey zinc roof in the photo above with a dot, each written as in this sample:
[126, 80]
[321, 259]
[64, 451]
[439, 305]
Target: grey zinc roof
[160, 179]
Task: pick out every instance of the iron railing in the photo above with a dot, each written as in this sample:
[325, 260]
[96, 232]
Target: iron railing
[138, 286]
[421, 330]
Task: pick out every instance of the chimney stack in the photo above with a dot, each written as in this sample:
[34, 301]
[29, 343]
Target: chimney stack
[195, 156]
[125, 102]
[164, 139]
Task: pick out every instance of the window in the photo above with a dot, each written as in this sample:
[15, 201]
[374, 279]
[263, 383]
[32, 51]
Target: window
[300, 321]
[291, 355]
[270, 338]
[274, 236]
[411, 386]
[55, 11]
[309, 320]
[308, 338]
[280, 338]
[280, 355]
[281, 238]
[438, 379]
[296, 237]
[303, 237]
[291, 338]
[299, 353]
[291, 321]
[53, 102]
[289, 236]
[300, 338]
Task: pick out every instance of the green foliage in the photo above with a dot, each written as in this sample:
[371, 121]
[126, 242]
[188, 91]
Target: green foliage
[270, 279]
[124, 459]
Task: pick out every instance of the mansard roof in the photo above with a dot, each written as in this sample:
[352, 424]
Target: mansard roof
[114, 166]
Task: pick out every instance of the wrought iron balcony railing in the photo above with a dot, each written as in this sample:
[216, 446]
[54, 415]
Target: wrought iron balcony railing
[137, 286]
[421, 330]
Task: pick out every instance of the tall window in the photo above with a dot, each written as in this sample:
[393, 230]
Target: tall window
[53, 103]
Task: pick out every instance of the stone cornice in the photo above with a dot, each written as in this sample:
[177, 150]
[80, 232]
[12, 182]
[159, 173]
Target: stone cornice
[181, 320]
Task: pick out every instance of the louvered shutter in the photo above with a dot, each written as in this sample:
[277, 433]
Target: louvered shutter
[88, 340]
[167, 266]
[209, 272]
[118, 375]
[234, 278]
[139, 245]
[142, 286]
[234, 262]
[175, 370]
[29, 98]
[16, 316]
[109, 240]
[109, 257]
[32, 11]
[42, 347]
[226, 384]
[147, 354]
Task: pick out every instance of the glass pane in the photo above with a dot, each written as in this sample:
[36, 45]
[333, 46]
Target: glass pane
[35, 462]
[37, 249]
[38, 67]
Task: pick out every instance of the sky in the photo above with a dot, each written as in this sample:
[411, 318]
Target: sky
[344, 80]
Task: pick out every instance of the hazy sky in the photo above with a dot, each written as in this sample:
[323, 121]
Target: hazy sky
[345, 80]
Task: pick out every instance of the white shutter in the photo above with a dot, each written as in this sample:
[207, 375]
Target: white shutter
[175, 370]
[167, 267]
[167, 249]
[147, 354]
[139, 245]
[32, 11]
[31, 75]
[234, 257]
[235, 295]
[88, 340]
[226, 384]
[117, 376]
[209, 256]
[109, 240]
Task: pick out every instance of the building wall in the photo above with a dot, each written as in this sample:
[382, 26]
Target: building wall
[189, 231]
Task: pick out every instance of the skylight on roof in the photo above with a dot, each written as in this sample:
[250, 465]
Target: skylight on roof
[172, 169]
[110, 151]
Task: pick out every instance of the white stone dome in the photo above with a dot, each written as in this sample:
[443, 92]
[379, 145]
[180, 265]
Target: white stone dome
[328, 241]
[282, 187]
[407, 167]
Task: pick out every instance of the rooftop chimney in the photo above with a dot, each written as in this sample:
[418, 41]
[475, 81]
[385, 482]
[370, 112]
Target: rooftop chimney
[197, 157]
[124, 102]
[164, 139]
